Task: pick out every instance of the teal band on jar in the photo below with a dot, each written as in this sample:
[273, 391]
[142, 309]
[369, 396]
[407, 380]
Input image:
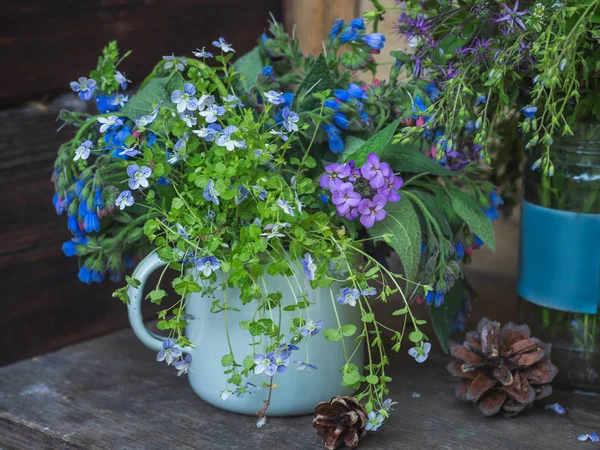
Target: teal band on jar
[560, 259]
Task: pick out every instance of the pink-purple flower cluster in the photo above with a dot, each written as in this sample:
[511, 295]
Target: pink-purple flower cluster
[362, 191]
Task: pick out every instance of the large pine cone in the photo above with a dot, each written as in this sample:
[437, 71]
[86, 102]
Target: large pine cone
[340, 420]
[503, 370]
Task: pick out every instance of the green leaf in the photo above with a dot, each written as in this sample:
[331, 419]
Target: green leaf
[351, 378]
[376, 144]
[400, 312]
[372, 379]
[351, 145]
[227, 360]
[443, 316]
[416, 336]
[248, 362]
[368, 317]
[471, 213]
[249, 67]
[146, 99]
[348, 330]
[405, 158]
[433, 205]
[402, 223]
[156, 296]
[317, 79]
[333, 334]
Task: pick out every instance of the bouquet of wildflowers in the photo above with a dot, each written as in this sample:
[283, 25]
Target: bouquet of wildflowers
[278, 160]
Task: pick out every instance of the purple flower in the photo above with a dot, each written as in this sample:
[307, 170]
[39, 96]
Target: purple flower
[224, 139]
[348, 296]
[375, 40]
[183, 366]
[108, 122]
[556, 407]
[121, 79]
[265, 364]
[512, 16]
[223, 45]
[450, 71]
[309, 267]
[83, 151]
[390, 188]
[85, 88]
[345, 198]
[202, 53]
[311, 328]
[305, 366]
[171, 61]
[169, 352]
[208, 265]
[138, 176]
[335, 172]
[372, 210]
[275, 98]
[418, 68]
[124, 199]
[375, 171]
[185, 100]
[352, 214]
[290, 120]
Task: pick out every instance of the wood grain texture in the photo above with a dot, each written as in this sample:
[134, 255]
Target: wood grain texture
[110, 393]
[50, 43]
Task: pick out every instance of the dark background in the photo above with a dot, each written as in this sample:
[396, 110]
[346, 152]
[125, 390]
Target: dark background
[43, 46]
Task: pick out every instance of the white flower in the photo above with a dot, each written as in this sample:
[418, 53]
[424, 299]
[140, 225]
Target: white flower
[108, 122]
[285, 206]
[83, 151]
[275, 98]
[421, 352]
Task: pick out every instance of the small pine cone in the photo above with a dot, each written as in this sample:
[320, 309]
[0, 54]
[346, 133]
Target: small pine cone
[502, 370]
[340, 420]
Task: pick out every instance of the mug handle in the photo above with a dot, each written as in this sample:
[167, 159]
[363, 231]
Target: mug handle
[134, 306]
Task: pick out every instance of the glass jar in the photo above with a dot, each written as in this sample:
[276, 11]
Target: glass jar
[559, 267]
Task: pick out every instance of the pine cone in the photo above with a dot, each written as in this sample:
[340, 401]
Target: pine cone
[340, 420]
[504, 369]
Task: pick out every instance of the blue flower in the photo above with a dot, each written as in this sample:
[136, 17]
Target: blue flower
[356, 91]
[478, 241]
[286, 349]
[106, 104]
[434, 92]
[282, 360]
[223, 45]
[202, 53]
[121, 79]
[420, 352]
[337, 27]
[336, 144]
[210, 192]
[210, 133]
[460, 251]
[124, 199]
[556, 407]
[211, 113]
[69, 248]
[82, 210]
[311, 328]
[288, 97]
[309, 266]
[169, 352]
[358, 24]
[85, 275]
[208, 265]
[374, 422]
[429, 297]
[496, 199]
[267, 71]
[181, 231]
[290, 120]
[332, 104]
[439, 299]
[185, 100]
[369, 292]
[348, 296]
[342, 95]
[375, 40]
[348, 35]
[529, 111]
[233, 101]
[265, 364]
[388, 403]
[72, 223]
[592, 437]
[83, 151]
[138, 176]
[178, 63]
[418, 107]
[481, 99]
[91, 222]
[305, 366]
[85, 88]
[98, 201]
[144, 121]
[273, 97]
[341, 120]
[183, 366]
[189, 118]
[151, 139]
[287, 208]
[324, 199]
[241, 195]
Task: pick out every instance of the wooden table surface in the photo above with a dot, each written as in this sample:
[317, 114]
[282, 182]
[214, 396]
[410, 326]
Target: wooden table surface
[109, 393]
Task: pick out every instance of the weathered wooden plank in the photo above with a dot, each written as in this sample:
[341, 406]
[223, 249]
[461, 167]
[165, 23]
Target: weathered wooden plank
[109, 393]
[49, 44]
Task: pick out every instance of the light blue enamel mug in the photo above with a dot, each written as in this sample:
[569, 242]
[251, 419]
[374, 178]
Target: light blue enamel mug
[298, 391]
